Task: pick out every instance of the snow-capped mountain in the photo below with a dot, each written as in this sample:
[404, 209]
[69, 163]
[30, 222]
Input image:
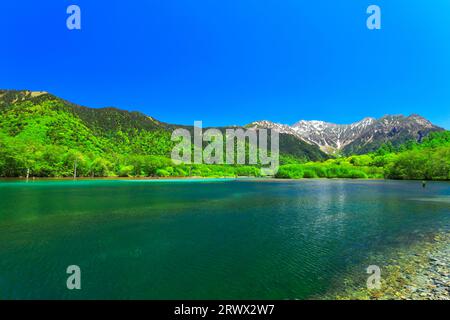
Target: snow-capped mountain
[359, 137]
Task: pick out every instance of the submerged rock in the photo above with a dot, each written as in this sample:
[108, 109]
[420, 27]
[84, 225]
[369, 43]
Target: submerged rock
[421, 272]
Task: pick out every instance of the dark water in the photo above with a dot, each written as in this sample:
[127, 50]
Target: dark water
[208, 240]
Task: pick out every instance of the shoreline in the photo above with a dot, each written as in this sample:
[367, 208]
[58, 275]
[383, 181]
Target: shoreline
[12, 179]
[419, 272]
[242, 178]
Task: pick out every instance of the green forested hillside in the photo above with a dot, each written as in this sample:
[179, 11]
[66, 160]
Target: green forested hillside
[44, 136]
[428, 160]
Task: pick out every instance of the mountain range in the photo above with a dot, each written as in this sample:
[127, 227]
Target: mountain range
[308, 140]
[357, 138]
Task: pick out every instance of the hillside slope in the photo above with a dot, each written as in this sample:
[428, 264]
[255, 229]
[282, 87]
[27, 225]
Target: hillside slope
[360, 137]
[427, 160]
[41, 134]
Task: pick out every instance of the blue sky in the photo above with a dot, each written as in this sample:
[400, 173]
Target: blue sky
[234, 61]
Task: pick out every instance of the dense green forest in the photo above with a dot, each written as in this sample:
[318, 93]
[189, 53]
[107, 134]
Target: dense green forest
[43, 136]
[44, 140]
[428, 160]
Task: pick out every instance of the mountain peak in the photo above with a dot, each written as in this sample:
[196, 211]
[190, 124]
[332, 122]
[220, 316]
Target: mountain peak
[367, 120]
[365, 135]
[25, 93]
[419, 119]
[8, 97]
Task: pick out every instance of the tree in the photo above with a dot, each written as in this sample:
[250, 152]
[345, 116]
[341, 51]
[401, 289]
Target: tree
[100, 167]
[76, 159]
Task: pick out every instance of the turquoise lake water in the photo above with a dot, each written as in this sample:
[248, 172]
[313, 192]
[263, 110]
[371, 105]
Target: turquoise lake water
[205, 239]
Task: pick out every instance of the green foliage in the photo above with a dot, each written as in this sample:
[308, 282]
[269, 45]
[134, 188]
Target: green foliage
[325, 170]
[43, 136]
[125, 171]
[162, 173]
[428, 160]
[247, 171]
[290, 171]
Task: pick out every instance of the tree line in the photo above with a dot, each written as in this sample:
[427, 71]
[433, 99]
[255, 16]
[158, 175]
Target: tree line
[45, 140]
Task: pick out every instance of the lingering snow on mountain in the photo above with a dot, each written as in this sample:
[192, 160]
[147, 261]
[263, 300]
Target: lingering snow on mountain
[265, 124]
[362, 136]
[331, 137]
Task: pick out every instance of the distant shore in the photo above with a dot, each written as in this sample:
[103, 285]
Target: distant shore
[117, 178]
[198, 178]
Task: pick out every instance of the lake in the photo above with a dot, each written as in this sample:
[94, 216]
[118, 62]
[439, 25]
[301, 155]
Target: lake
[206, 239]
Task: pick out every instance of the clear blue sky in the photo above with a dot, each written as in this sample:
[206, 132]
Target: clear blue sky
[234, 61]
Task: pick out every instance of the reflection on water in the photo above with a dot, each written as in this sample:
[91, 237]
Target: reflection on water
[433, 199]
